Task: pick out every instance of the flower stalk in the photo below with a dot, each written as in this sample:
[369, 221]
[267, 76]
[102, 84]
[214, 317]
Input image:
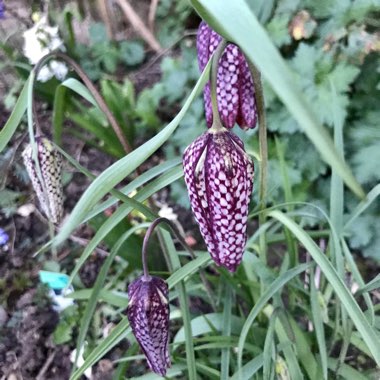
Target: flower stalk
[91, 87]
[217, 124]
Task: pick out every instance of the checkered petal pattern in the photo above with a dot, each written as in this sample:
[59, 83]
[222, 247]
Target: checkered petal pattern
[219, 179]
[148, 315]
[235, 89]
[49, 191]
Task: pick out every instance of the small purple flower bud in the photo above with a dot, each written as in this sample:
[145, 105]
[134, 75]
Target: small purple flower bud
[219, 179]
[148, 315]
[4, 237]
[49, 191]
[234, 87]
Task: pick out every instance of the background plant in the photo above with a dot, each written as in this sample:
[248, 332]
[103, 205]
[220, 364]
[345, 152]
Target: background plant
[281, 314]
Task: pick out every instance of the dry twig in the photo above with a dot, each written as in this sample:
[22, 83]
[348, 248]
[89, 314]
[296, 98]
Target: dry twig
[139, 25]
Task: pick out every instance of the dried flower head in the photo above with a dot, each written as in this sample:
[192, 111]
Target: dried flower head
[148, 315]
[219, 179]
[49, 191]
[234, 87]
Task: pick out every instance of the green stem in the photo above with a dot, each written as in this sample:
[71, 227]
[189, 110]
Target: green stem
[216, 123]
[180, 238]
[259, 96]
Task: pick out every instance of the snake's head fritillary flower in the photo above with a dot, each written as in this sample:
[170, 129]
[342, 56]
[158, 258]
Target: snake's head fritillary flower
[48, 185]
[219, 178]
[234, 86]
[148, 315]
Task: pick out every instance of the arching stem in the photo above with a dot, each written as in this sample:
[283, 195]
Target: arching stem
[91, 87]
[216, 121]
[146, 276]
[259, 96]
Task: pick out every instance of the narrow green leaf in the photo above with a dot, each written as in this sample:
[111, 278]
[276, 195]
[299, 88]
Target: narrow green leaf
[113, 298]
[168, 245]
[237, 23]
[227, 313]
[173, 373]
[14, 120]
[270, 291]
[346, 371]
[80, 89]
[117, 335]
[318, 323]
[370, 336]
[141, 180]
[58, 113]
[372, 285]
[371, 197]
[249, 369]
[207, 324]
[359, 279]
[304, 351]
[270, 349]
[336, 189]
[189, 269]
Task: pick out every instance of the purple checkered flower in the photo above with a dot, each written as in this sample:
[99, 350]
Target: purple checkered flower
[219, 178]
[234, 87]
[148, 315]
[49, 191]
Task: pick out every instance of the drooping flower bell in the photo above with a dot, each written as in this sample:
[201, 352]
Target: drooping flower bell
[219, 178]
[148, 315]
[234, 87]
[48, 187]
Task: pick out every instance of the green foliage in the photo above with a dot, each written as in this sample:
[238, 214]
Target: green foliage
[64, 332]
[289, 310]
[103, 55]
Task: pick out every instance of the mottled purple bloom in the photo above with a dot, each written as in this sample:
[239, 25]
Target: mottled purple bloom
[235, 89]
[4, 237]
[219, 178]
[148, 315]
[49, 191]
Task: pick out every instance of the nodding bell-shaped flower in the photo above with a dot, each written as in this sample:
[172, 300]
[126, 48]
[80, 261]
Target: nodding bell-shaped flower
[234, 88]
[148, 315]
[219, 178]
[48, 186]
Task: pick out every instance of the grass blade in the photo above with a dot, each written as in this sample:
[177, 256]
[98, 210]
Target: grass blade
[249, 369]
[371, 197]
[171, 253]
[370, 336]
[225, 361]
[318, 324]
[117, 334]
[14, 120]
[276, 286]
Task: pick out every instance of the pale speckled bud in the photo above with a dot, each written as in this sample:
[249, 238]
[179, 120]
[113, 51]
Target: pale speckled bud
[49, 191]
[234, 87]
[148, 315]
[219, 178]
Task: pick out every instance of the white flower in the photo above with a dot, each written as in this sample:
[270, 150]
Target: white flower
[40, 40]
